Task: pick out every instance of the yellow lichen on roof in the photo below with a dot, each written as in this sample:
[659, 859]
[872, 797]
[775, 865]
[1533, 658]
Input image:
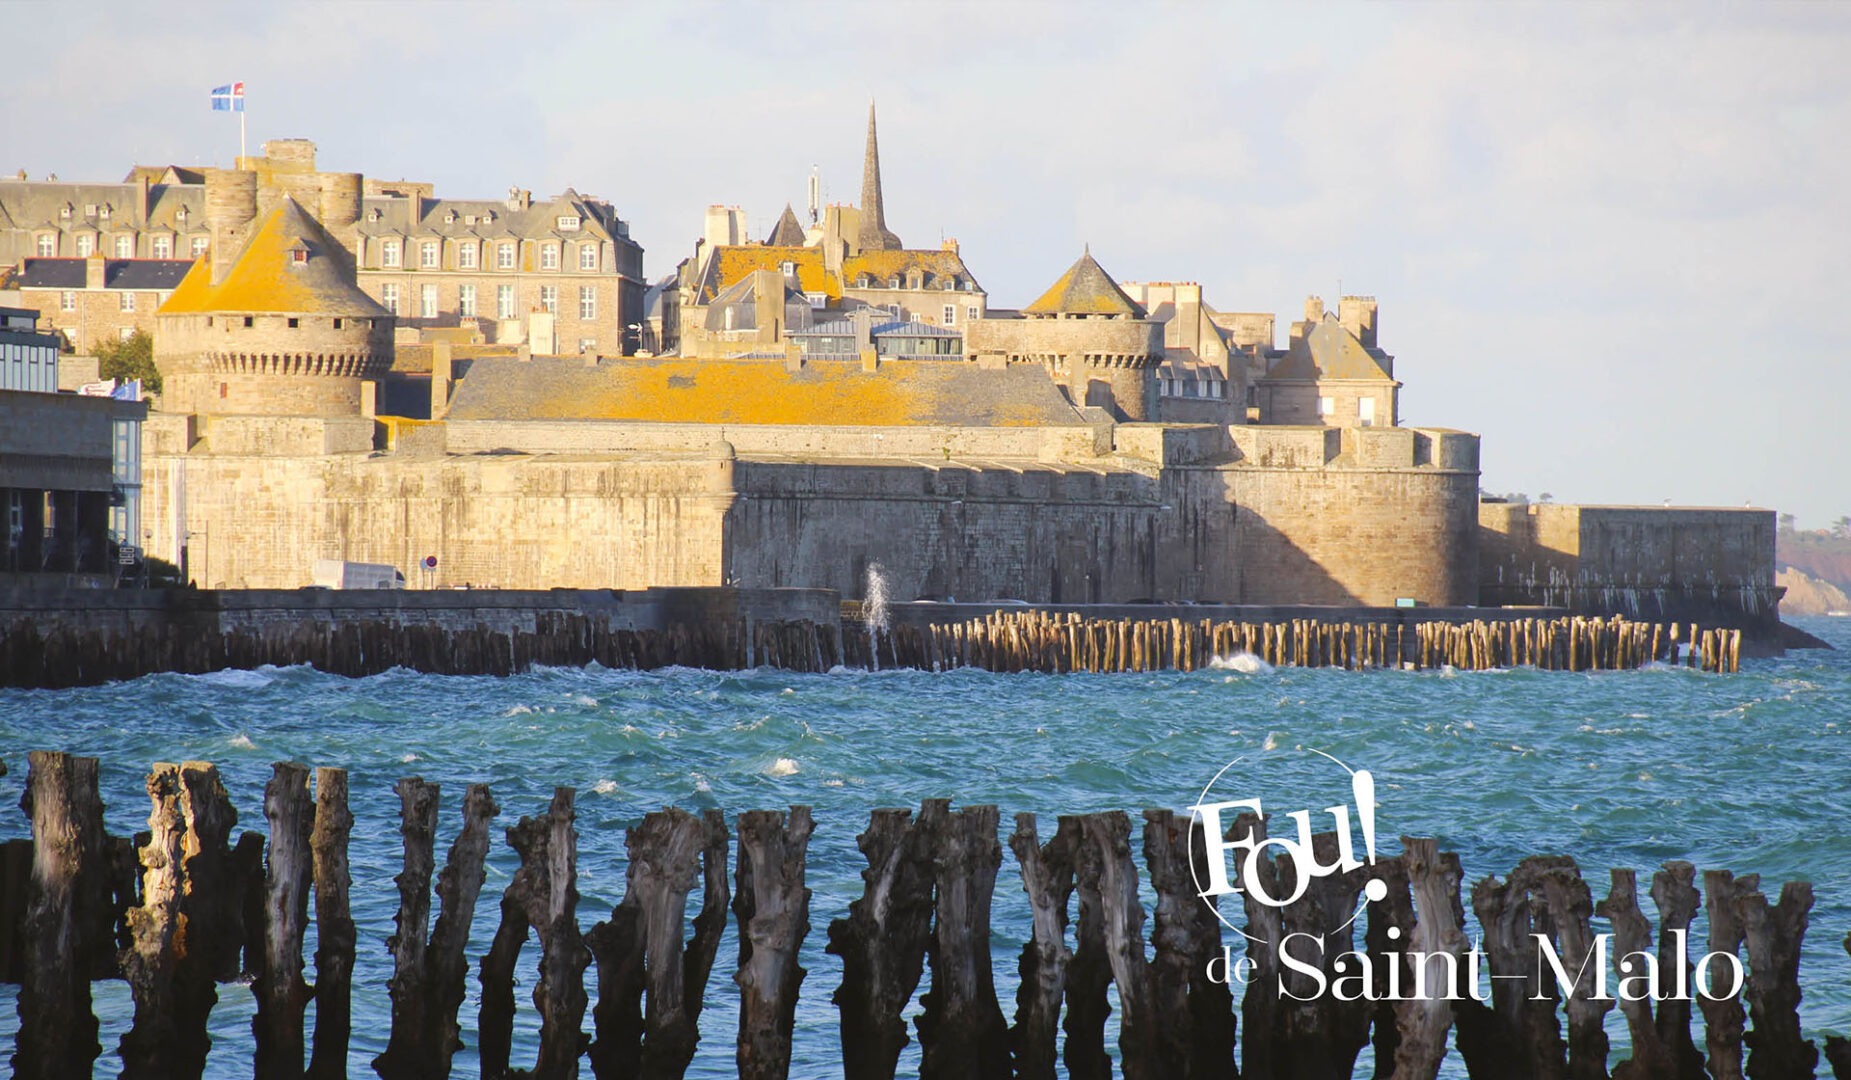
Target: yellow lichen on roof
[1085, 289]
[265, 279]
[825, 393]
[735, 263]
[882, 265]
[195, 289]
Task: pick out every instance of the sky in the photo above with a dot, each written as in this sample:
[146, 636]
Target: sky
[1611, 239]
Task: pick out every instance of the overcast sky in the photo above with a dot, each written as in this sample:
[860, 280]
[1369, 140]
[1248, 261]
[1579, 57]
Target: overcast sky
[1613, 240]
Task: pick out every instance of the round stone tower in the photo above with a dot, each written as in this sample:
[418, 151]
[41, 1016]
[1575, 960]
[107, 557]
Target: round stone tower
[231, 207]
[282, 329]
[341, 195]
[1097, 340]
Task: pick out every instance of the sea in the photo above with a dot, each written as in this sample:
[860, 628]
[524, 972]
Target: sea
[1749, 772]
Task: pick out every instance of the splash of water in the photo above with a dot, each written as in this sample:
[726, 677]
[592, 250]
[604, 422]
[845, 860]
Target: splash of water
[876, 603]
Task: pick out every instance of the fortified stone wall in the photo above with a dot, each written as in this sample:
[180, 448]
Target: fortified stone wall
[1705, 564]
[509, 522]
[927, 441]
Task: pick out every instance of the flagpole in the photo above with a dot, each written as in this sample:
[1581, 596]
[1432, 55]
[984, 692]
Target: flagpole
[240, 134]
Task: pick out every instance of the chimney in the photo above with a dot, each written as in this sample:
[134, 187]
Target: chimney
[768, 304]
[1314, 308]
[1357, 314]
[94, 271]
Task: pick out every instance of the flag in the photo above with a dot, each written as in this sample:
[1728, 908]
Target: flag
[128, 391]
[228, 98]
[100, 388]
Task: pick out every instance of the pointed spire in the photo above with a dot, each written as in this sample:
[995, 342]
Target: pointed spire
[873, 234]
[787, 232]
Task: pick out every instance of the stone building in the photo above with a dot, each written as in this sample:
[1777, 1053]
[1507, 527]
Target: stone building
[488, 265]
[1205, 374]
[1332, 372]
[1092, 339]
[94, 300]
[270, 321]
[853, 260]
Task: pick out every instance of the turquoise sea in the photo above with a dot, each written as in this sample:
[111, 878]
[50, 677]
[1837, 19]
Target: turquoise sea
[1751, 772]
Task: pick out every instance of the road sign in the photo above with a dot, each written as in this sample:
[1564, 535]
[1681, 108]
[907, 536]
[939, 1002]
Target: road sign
[128, 554]
[430, 562]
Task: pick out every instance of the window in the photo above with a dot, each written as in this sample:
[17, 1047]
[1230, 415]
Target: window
[388, 253]
[48, 246]
[587, 302]
[549, 299]
[125, 247]
[787, 268]
[163, 247]
[1327, 406]
[588, 256]
[85, 245]
[504, 258]
[1365, 411]
[126, 301]
[337, 323]
[295, 323]
[971, 312]
[951, 315]
[427, 255]
[67, 301]
[249, 321]
[588, 344]
[64, 212]
[466, 301]
[466, 255]
[504, 301]
[427, 302]
[388, 297]
[549, 256]
[568, 222]
[200, 243]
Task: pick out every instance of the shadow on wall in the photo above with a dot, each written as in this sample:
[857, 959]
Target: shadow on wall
[1273, 569]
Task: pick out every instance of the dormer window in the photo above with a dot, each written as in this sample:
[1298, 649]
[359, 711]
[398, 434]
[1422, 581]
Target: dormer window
[787, 268]
[449, 217]
[89, 209]
[469, 219]
[180, 215]
[373, 214]
[568, 222]
[298, 255]
[64, 212]
[893, 282]
[103, 212]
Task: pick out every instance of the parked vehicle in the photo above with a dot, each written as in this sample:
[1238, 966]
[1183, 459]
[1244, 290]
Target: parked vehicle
[335, 574]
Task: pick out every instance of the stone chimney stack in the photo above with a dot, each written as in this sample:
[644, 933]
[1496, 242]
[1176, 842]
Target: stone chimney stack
[1357, 313]
[95, 271]
[873, 234]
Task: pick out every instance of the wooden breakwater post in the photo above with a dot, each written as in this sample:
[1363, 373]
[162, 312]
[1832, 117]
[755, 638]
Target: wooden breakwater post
[924, 917]
[1057, 643]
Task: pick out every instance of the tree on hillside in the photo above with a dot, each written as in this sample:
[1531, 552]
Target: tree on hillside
[1842, 528]
[1787, 523]
[130, 358]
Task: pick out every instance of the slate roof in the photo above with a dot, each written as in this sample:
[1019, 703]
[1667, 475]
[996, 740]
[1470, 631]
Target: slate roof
[822, 392]
[263, 279]
[729, 264]
[1085, 289]
[1329, 351]
[51, 274]
[425, 217]
[787, 232]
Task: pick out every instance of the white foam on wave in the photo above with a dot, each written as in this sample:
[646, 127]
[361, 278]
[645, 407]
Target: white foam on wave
[781, 767]
[584, 699]
[243, 741]
[604, 787]
[1243, 662]
[406, 759]
[1272, 741]
[240, 679]
[518, 710]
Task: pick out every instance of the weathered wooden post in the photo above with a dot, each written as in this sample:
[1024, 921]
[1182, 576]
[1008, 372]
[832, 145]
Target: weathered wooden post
[410, 1001]
[962, 1032]
[1194, 1014]
[1774, 935]
[1047, 878]
[883, 940]
[546, 886]
[156, 1046]
[642, 947]
[773, 911]
[1724, 1019]
[334, 927]
[1421, 1021]
[282, 993]
[65, 896]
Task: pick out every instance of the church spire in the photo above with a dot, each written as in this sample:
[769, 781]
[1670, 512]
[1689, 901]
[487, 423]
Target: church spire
[873, 234]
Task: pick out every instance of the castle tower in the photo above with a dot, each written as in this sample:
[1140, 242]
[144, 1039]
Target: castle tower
[1108, 347]
[281, 329]
[787, 233]
[873, 234]
[231, 207]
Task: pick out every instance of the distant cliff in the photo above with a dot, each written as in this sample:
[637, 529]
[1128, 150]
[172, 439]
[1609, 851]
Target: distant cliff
[1816, 569]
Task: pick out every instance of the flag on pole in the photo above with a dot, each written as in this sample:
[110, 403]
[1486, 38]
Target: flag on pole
[229, 98]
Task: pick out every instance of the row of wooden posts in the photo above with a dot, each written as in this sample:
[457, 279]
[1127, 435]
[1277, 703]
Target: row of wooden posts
[1034, 640]
[59, 656]
[185, 908]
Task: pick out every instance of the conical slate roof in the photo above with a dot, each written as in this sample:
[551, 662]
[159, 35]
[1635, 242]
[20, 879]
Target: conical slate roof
[1085, 289]
[267, 276]
[873, 234]
[787, 232]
